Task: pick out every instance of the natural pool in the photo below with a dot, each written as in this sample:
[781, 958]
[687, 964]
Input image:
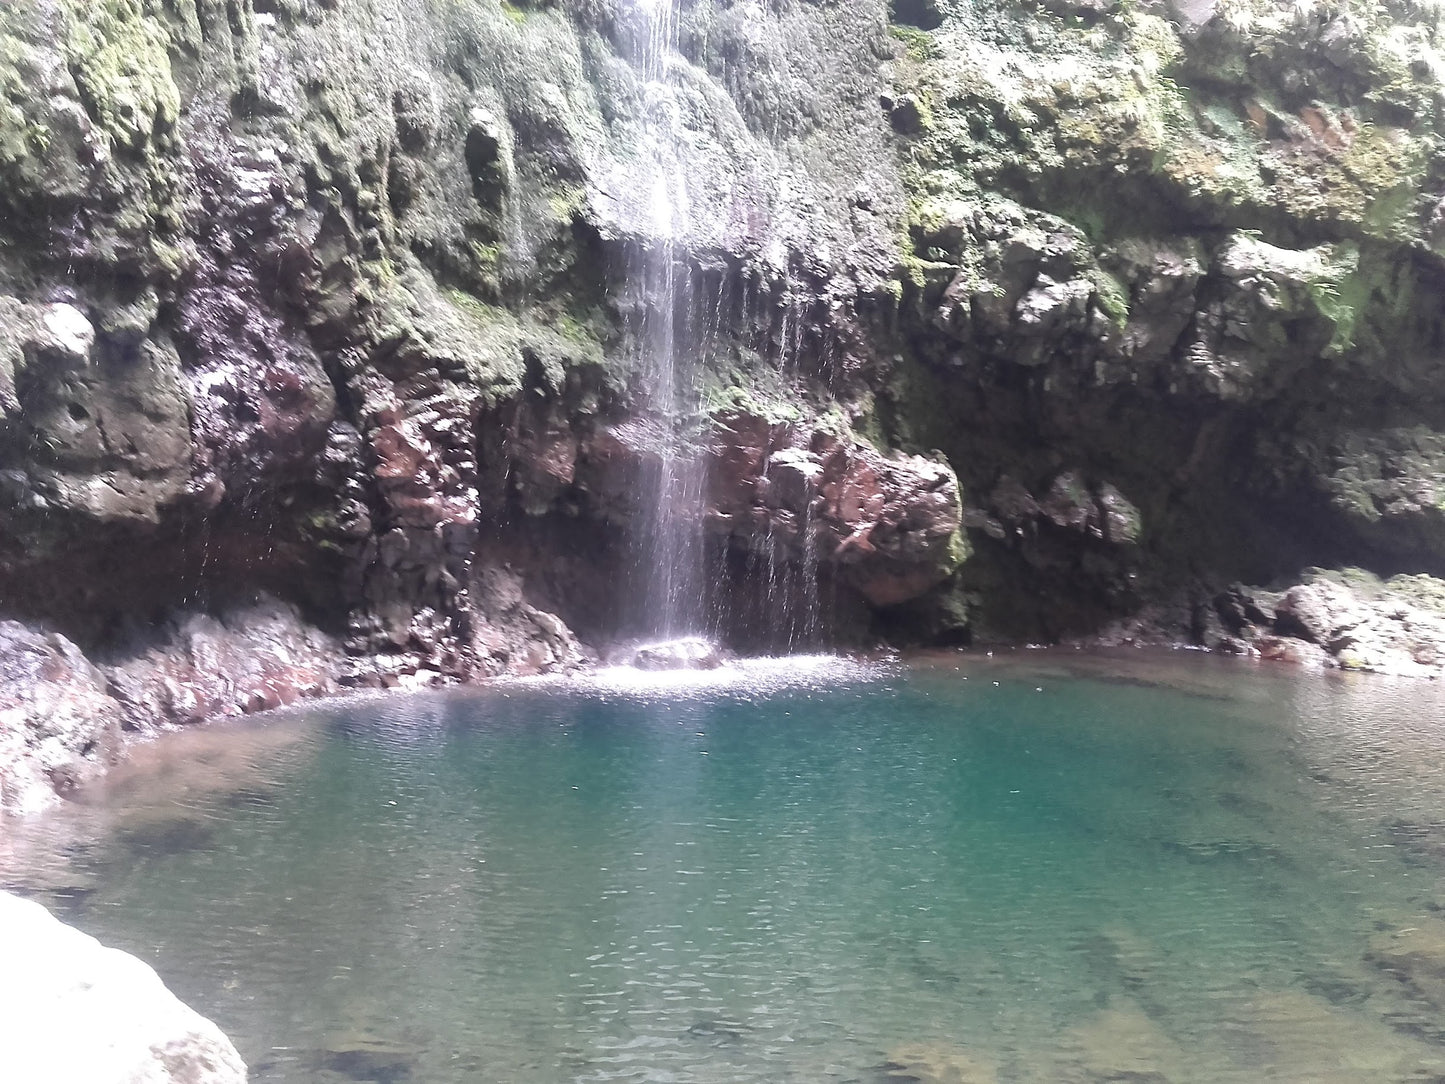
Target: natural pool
[1046, 868]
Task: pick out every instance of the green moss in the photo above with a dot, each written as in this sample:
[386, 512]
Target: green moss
[958, 550]
[1350, 659]
[917, 406]
[479, 312]
[120, 58]
[1390, 213]
[1340, 295]
[918, 45]
[749, 386]
[867, 423]
[1112, 297]
[1421, 590]
[37, 137]
[567, 202]
[486, 256]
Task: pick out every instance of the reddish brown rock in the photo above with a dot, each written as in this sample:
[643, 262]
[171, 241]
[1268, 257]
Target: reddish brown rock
[891, 524]
[62, 715]
[248, 659]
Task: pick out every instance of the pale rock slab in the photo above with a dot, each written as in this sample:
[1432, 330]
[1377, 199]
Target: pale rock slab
[75, 1012]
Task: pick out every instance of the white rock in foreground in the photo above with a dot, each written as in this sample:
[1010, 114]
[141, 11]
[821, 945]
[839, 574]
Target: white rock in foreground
[75, 1012]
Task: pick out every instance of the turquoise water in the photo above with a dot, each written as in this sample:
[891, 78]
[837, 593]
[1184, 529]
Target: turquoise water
[1036, 869]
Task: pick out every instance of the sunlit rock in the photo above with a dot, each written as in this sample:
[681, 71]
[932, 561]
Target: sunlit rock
[59, 728]
[73, 1010]
[687, 653]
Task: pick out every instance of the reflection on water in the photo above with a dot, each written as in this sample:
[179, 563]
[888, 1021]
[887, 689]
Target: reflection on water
[1044, 868]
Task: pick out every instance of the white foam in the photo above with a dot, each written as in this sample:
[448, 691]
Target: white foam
[746, 677]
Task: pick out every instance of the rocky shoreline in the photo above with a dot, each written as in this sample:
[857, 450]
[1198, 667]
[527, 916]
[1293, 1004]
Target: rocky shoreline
[66, 716]
[1346, 619]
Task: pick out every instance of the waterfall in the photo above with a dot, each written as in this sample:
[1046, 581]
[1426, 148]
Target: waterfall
[671, 551]
[675, 312]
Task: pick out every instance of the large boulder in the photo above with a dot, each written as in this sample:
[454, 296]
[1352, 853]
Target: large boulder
[891, 524]
[1321, 612]
[73, 1010]
[687, 653]
[58, 726]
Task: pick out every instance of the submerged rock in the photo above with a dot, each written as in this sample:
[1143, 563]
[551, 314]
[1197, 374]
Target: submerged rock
[1415, 956]
[1294, 1035]
[367, 1056]
[73, 1010]
[1119, 1043]
[938, 1063]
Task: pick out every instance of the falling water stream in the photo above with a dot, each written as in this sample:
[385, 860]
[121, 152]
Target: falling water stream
[672, 553]
[678, 314]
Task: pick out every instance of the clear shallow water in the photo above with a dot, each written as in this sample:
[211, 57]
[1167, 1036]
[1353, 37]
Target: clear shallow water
[1043, 869]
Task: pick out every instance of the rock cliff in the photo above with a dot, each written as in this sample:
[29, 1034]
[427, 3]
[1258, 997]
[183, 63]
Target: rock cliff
[1011, 319]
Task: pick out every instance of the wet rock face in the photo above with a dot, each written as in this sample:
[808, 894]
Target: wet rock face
[275, 317]
[1387, 486]
[71, 1009]
[891, 524]
[804, 500]
[1210, 306]
[92, 424]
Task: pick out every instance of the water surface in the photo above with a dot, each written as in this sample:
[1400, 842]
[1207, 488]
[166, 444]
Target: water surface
[1046, 869]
